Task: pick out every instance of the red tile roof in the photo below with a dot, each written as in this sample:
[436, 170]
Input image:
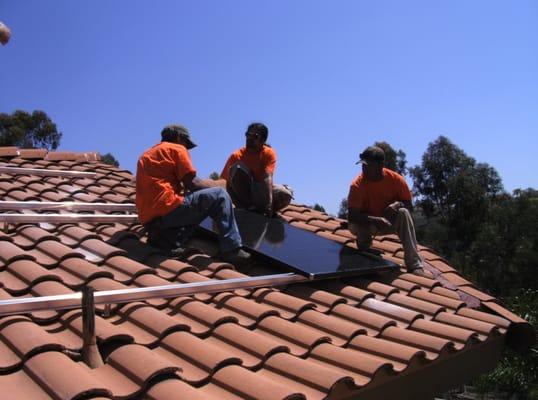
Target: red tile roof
[381, 336]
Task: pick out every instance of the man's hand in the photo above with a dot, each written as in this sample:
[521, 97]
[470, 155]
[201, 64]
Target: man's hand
[380, 222]
[268, 211]
[392, 210]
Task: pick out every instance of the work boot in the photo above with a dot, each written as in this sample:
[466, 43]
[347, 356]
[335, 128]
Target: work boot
[236, 256]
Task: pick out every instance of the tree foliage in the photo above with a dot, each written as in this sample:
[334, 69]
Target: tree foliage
[214, 176]
[35, 130]
[342, 210]
[453, 187]
[394, 160]
[318, 207]
[109, 159]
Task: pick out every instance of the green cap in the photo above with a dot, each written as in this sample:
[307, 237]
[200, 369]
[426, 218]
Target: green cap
[174, 130]
[372, 153]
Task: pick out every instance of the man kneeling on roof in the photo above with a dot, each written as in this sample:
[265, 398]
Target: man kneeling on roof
[378, 204]
[171, 200]
[249, 175]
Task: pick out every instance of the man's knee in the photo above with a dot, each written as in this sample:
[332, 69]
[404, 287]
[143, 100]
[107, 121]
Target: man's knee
[282, 196]
[353, 228]
[403, 214]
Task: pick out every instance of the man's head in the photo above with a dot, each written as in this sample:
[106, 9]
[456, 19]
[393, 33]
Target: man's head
[5, 34]
[256, 136]
[177, 134]
[372, 160]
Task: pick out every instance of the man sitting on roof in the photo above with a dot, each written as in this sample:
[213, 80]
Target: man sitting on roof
[169, 197]
[378, 203]
[249, 174]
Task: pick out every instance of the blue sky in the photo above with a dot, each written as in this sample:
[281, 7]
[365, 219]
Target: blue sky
[327, 77]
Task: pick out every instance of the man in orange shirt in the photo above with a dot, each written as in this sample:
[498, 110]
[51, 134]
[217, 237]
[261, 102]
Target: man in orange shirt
[378, 203]
[249, 174]
[171, 200]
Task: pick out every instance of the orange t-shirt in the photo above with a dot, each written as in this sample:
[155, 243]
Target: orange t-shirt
[373, 197]
[158, 179]
[260, 163]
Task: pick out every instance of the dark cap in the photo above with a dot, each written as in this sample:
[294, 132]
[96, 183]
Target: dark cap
[172, 131]
[372, 153]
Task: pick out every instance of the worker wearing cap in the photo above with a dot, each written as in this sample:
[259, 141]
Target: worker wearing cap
[378, 203]
[169, 196]
[249, 174]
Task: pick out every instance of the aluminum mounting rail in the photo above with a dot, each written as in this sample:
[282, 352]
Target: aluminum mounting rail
[71, 301]
[46, 172]
[67, 205]
[66, 218]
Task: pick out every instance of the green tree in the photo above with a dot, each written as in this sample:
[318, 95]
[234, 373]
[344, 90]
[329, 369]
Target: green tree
[108, 158]
[25, 130]
[342, 210]
[318, 207]
[450, 186]
[394, 160]
[214, 175]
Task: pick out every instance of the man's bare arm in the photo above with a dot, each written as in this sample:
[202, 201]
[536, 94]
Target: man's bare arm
[354, 215]
[193, 183]
[268, 182]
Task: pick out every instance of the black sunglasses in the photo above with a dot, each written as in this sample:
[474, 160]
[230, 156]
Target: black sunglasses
[253, 135]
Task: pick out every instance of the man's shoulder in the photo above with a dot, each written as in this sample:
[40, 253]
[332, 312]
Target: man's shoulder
[392, 175]
[268, 151]
[357, 181]
[239, 152]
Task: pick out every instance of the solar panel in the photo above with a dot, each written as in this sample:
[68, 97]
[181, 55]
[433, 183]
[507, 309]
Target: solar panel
[301, 251]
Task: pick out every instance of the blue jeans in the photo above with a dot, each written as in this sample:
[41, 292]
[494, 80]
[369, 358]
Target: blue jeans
[197, 206]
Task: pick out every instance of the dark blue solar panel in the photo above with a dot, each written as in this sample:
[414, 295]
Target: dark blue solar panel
[301, 251]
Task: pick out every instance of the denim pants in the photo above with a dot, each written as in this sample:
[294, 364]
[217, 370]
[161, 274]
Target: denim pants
[197, 206]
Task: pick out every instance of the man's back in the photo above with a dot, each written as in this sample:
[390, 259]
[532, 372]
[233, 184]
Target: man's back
[158, 179]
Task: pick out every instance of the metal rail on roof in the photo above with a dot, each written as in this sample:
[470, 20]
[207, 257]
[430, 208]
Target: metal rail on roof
[71, 301]
[67, 205]
[66, 218]
[46, 172]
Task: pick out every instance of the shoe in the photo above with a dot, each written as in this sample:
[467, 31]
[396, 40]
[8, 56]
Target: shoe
[236, 256]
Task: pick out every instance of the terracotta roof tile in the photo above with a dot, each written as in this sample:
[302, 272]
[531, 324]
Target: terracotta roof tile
[372, 322]
[10, 252]
[352, 294]
[447, 302]
[200, 317]
[340, 330]
[411, 303]
[433, 346]
[253, 349]
[247, 312]
[68, 379]
[403, 316]
[300, 339]
[314, 380]
[129, 370]
[286, 305]
[9, 151]
[323, 300]
[234, 382]
[400, 356]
